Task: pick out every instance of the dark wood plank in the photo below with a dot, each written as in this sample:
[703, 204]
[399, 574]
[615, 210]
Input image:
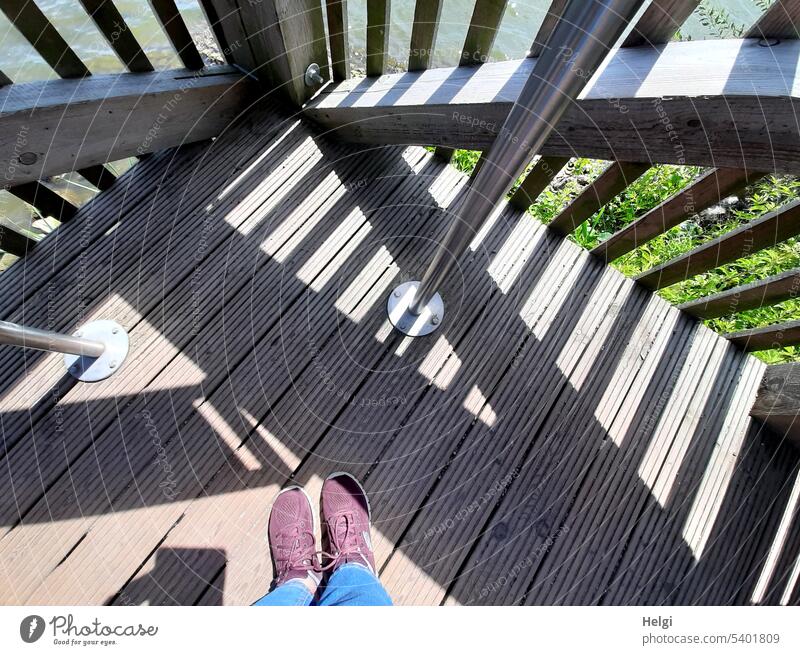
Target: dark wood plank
[41, 34]
[761, 293]
[4, 79]
[14, 242]
[766, 338]
[119, 36]
[423, 34]
[45, 200]
[554, 12]
[708, 189]
[736, 111]
[542, 173]
[64, 134]
[99, 175]
[175, 28]
[780, 21]
[660, 21]
[778, 400]
[338, 37]
[227, 23]
[769, 230]
[610, 183]
[483, 26]
[378, 17]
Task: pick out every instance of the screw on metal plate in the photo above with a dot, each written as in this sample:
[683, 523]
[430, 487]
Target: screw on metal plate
[313, 76]
[28, 158]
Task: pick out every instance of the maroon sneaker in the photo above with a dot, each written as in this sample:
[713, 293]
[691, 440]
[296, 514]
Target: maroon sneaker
[345, 522]
[291, 537]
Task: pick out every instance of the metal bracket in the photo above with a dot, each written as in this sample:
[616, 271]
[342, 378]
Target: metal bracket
[414, 325]
[313, 76]
[94, 369]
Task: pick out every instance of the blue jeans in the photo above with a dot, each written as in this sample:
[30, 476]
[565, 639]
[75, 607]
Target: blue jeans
[350, 584]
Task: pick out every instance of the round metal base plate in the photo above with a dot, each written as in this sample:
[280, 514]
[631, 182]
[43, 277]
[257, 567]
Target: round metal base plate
[414, 326]
[91, 369]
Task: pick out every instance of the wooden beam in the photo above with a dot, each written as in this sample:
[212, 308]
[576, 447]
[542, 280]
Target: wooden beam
[542, 173]
[13, 242]
[767, 231]
[767, 338]
[174, 27]
[45, 38]
[778, 400]
[554, 12]
[338, 37]
[119, 36]
[47, 128]
[423, 34]
[611, 182]
[378, 17]
[738, 110]
[707, 190]
[780, 21]
[659, 22]
[45, 200]
[99, 175]
[760, 293]
[285, 37]
[483, 26]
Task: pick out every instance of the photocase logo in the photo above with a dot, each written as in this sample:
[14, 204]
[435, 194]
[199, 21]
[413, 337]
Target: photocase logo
[31, 628]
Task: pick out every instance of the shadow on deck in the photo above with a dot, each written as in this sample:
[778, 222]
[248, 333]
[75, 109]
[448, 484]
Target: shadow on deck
[566, 437]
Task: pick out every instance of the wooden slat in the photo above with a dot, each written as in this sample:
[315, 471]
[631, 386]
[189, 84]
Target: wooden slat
[760, 293]
[338, 37]
[660, 21]
[483, 26]
[119, 36]
[41, 34]
[780, 21]
[4, 79]
[175, 28]
[59, 117]
[708, 189]
[423, 34]
[99, 175]
[766, 338]
[735, 111]
[554, 12]
[610, 183]
[769, 230]
[14, 242]
[542, 173]
[378, 16]
[44, 199]
[778, 400]
[227, 23]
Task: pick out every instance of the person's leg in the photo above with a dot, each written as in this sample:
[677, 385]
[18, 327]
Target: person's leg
[292, 545]
[346, 536]
[354, 584]
[290, 593]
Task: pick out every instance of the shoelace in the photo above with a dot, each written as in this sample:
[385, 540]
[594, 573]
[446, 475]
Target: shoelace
[295, 560]
[347, 546]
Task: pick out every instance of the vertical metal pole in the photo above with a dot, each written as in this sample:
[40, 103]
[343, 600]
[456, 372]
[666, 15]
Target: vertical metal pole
[583, 36]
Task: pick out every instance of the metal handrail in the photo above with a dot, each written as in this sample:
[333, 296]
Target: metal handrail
[582, 38]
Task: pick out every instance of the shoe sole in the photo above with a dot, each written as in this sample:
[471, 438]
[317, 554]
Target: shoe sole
[360, 486]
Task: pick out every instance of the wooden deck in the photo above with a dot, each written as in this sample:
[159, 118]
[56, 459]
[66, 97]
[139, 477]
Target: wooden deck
[566, 437]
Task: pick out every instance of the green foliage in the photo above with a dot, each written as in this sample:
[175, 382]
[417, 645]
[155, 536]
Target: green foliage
[719, 21]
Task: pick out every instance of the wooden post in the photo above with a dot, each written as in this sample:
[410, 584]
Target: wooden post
[275, 40]
[778, 400]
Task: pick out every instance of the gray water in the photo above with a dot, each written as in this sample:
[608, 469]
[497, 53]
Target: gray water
[522, 18]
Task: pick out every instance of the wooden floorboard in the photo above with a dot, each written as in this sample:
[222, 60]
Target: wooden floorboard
[565, 437]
